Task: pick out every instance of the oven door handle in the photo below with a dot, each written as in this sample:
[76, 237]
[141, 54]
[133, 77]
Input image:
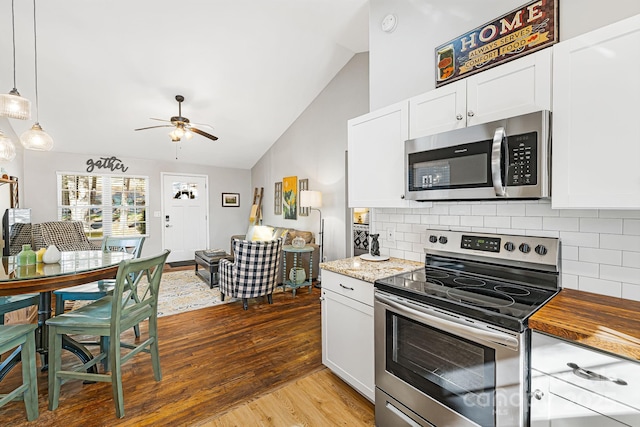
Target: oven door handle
[499, 162]
[434, 319]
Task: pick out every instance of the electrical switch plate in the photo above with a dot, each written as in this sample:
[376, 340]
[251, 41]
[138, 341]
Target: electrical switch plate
[391, 234]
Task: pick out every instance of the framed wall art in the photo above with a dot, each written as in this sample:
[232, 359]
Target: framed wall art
[277, 199]
[303, 184]
[230, 200]
[290, 197]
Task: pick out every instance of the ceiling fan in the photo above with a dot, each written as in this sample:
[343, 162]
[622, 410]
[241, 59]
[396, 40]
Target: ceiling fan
[183, 128]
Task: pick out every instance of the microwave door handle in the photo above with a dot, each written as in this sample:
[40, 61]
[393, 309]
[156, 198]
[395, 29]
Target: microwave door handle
[497, 161]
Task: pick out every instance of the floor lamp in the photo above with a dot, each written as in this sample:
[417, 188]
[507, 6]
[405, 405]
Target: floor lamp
[313, 200]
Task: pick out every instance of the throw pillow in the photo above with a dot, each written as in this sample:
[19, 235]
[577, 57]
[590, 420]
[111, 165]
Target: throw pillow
[262, 233]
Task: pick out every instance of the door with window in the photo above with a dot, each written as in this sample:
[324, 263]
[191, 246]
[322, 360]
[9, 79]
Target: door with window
[185, 222]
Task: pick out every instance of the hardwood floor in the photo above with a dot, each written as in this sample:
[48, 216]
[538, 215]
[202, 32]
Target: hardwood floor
[264, 362]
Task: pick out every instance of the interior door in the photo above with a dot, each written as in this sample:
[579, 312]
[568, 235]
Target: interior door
[185, 208]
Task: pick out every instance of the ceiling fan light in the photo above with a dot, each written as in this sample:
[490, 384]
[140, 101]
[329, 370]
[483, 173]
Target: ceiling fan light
[179, 132]
[7, 149]
[36, 139]
[14, 106]
[188, 134]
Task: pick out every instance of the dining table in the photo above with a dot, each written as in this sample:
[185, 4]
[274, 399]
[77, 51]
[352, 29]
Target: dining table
[73, 268]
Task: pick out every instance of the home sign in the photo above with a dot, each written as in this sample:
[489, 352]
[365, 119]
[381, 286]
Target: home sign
[520, 32]
[112, 163]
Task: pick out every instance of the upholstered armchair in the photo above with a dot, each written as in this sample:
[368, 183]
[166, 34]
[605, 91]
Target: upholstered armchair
[253, 272]
[65, 235]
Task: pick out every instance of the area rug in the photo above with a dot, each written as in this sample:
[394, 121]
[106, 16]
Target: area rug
[181, 291]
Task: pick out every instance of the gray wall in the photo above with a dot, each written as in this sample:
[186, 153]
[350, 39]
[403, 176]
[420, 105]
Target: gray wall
[314, 147]
[601, 248]
[39, 189]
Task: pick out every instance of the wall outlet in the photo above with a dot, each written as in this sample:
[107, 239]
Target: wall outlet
[391, 234]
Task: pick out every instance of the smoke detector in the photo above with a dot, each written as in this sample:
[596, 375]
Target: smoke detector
[389, 23]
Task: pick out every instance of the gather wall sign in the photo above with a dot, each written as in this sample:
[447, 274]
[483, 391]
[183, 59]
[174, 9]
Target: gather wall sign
[112, 163]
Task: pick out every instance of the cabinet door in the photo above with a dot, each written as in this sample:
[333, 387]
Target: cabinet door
[347, 341]
[596, 141]
[376, 157]
[518, 87]
[438, 110]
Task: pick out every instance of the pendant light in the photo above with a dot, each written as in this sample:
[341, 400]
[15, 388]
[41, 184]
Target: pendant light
[35, 138]
[7, 149]
[12, 104]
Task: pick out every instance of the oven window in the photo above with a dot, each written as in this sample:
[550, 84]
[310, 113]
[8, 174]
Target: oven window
[454, 371]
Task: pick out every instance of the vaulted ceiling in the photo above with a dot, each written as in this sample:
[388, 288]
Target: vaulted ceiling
[248, 68]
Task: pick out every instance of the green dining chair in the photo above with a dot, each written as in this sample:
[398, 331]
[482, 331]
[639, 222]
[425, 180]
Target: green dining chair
[16, 302]
[132, 301]
[96, 290]
[13, 336]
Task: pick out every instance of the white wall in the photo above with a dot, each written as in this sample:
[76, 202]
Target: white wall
[40, 193]
[314, 147]
[601, 248]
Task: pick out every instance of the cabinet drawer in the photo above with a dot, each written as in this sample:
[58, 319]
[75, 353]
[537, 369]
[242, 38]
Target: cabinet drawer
[348, 286]
[587, 369]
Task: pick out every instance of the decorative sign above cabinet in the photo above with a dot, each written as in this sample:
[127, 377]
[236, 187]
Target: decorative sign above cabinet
[112, 163]
[522, 31]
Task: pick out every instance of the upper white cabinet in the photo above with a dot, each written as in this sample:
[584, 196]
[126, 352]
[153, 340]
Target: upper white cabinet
[596, 137]
[518, 87]
[376, 157]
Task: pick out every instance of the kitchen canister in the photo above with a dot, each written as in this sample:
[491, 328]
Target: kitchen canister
[51, 255]
[26, 256]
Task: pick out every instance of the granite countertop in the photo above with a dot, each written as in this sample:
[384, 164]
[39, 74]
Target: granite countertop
[602, 322]
[370, 271]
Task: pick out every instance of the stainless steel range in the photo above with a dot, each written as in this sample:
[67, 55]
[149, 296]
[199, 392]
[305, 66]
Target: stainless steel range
[451, 340]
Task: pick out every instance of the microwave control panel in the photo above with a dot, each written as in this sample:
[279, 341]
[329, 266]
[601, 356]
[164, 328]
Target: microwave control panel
[523, 159]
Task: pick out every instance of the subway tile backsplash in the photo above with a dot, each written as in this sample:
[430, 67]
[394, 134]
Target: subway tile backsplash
[600, 248]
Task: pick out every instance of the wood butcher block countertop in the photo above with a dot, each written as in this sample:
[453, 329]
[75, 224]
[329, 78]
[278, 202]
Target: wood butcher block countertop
[602, 322]
[370, 271]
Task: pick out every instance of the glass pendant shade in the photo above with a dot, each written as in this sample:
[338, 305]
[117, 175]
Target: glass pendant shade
[36, 139]
[14, 106]
[7, 149]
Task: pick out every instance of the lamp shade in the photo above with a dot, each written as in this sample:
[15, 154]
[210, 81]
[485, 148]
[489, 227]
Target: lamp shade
[15, 106]
[310, 199]
[36, 139]
[7, 149]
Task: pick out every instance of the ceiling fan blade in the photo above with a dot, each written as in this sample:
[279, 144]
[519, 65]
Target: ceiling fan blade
[161, 120]
[206, 135]
[201, 125]
[159, 126]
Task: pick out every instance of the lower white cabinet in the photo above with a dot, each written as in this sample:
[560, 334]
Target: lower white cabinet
[347, 330]
[575, 386]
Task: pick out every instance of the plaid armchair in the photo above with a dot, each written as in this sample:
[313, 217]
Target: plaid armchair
[65, 235]
[253, 272]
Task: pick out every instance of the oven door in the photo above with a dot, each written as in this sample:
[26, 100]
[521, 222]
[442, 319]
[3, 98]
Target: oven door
[445, 369]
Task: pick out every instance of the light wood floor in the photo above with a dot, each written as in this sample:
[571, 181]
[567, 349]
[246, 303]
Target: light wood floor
[221, 366]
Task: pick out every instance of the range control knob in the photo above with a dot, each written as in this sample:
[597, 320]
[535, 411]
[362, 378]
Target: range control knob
[443, 240]
[541, 250]
[509, 246]
[433, 239]
[524, 248]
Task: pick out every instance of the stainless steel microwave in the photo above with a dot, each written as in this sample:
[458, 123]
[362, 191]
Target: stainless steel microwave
[505, 159]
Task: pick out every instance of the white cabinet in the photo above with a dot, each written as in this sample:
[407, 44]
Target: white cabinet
[596, 138]
[576, 386]
[518, 87]
[347, 330]
[376, 157]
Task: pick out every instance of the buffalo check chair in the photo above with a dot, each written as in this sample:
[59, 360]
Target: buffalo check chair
[132, 301]
[253, 272]
[13, 336]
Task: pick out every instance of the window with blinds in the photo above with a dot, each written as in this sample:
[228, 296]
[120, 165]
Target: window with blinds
[108, 205]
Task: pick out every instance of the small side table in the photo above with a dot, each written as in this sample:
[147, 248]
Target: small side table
[210, 265]
[293, 283]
